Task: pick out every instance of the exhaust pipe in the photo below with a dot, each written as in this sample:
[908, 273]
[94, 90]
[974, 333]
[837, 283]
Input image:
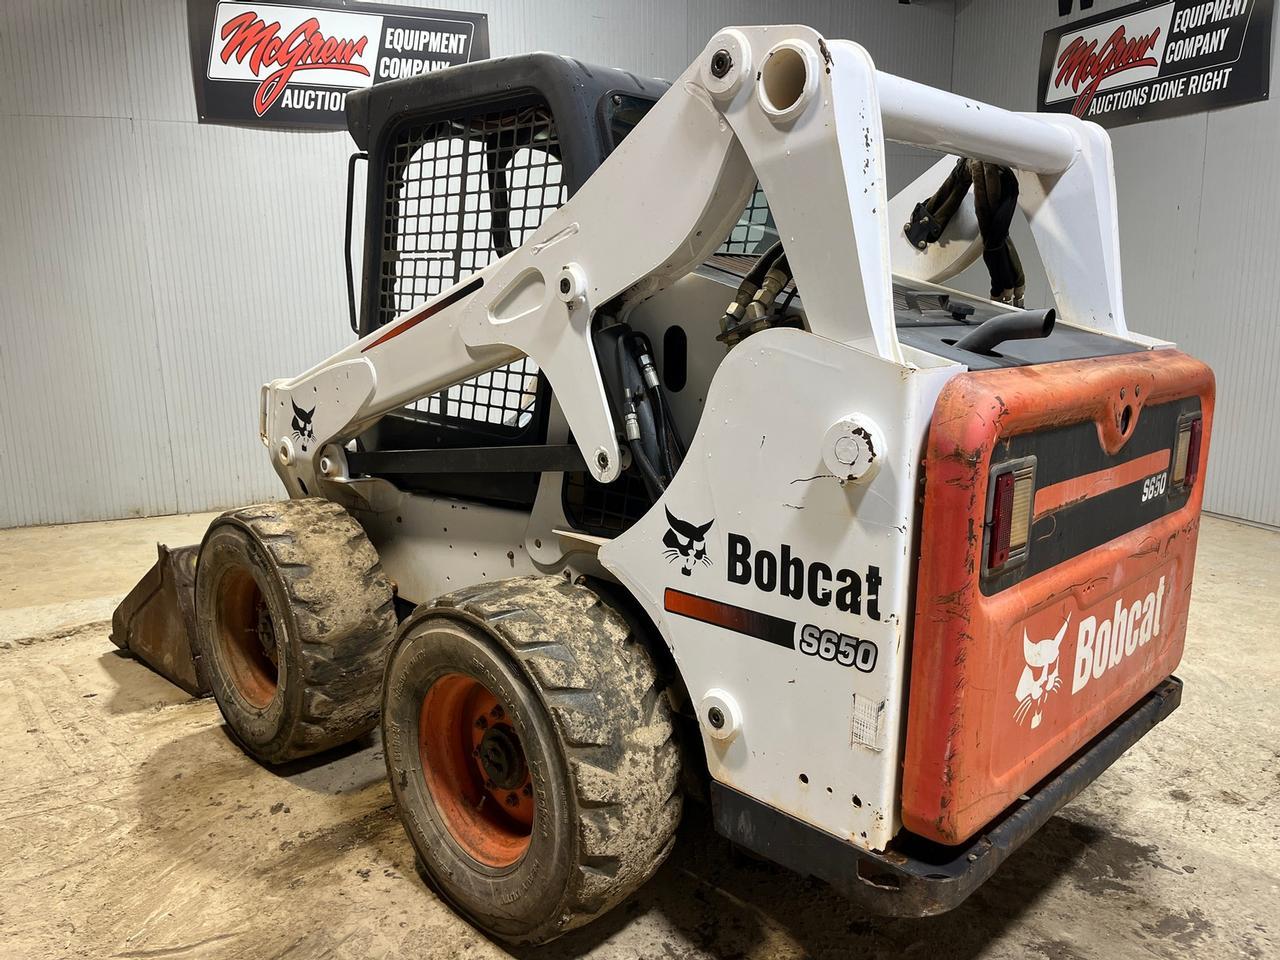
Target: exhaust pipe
[1019, 325]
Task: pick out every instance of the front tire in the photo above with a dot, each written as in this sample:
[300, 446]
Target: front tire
[294, 617]
[530, 750]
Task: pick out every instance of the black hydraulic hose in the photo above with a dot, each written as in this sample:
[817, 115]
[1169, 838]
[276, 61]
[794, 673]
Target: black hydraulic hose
[1019, 325]
[669, 437]
[766, 260]
[652, 480]
[673, 462]
[660, 424]
[749, 285]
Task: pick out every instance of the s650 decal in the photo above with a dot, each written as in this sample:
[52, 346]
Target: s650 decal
[846, 650]
[1155, 486]
[814, 641]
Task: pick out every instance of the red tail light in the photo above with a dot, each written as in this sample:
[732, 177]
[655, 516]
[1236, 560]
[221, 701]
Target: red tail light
[1193, 451]
[1009, 513]
[1001, 521]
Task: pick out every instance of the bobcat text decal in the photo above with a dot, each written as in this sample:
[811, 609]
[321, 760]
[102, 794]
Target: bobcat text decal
[1103, 642]
[1102, 645]
[815, 583]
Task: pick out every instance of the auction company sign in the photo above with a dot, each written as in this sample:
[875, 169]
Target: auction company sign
[1158, 58]
[292, 65]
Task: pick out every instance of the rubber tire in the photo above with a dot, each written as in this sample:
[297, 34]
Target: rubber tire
[597, 732]
[331, 608]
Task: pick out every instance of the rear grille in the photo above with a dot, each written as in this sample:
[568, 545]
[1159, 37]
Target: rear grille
[459, 194]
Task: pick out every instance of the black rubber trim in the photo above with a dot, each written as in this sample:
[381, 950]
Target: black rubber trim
[916, 878]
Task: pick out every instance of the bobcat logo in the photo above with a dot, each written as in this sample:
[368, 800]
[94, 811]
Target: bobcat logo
[302, 425]
[686, 543]
[1033, 690]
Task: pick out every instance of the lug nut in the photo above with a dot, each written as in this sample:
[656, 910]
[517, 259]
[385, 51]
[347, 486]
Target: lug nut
[512, 800]
[481, 723]
[527, 790]
[496, 712]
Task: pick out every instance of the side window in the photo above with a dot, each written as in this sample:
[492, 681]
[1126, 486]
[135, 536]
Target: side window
[459, 194]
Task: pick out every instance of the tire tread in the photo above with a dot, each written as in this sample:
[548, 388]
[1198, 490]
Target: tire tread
[342, 605]
[608, 706]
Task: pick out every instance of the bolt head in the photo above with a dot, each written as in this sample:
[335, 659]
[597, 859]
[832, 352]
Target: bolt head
[602, 460]
[721, 63]
[565, 285]
[715, 717]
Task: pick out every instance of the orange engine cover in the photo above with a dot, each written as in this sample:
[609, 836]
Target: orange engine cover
[1013, 672]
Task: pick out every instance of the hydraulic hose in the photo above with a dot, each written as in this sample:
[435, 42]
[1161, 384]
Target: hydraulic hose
[750, 284]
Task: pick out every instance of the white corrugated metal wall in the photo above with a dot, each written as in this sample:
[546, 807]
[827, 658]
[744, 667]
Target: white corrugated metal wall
[1199, 199]
[154, 272]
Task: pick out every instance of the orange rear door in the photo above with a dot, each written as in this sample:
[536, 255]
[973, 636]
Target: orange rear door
[1027, 646]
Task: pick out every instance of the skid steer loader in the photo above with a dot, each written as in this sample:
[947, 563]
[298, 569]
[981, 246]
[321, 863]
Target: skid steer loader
[887, 572]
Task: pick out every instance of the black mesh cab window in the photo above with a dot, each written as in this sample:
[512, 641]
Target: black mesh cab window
[460, 193]
[754, 233]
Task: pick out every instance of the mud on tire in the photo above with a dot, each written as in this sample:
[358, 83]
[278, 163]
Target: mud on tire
[294, 619]
[561, 672]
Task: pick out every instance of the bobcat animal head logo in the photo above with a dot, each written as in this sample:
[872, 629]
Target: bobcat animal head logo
[686, 543]
[302, 430]
[1034, 688]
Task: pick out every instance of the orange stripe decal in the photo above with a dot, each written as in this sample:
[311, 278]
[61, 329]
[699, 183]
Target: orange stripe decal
[1066, 492]
[431, 309]
[752, 623]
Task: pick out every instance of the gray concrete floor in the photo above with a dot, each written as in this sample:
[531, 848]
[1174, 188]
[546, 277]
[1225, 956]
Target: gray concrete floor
[131, 826]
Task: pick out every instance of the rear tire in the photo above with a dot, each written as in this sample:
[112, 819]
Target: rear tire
[294, 617]
[594, 771]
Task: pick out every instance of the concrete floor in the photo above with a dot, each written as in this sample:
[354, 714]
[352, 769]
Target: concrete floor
[131, 826]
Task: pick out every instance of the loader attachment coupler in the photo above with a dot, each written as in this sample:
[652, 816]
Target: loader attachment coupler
[156, 622]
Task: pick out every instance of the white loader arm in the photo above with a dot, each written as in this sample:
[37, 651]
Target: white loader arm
[808, 119]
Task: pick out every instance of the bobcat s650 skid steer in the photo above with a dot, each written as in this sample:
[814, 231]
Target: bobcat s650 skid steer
[624, 494]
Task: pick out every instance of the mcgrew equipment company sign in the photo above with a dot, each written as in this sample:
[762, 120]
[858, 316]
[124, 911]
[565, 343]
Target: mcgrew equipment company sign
[292, 65]
[1158, 58]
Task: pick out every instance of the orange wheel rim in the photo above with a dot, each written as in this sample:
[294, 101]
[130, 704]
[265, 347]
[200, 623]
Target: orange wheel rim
[247, 637]
[474, 765]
